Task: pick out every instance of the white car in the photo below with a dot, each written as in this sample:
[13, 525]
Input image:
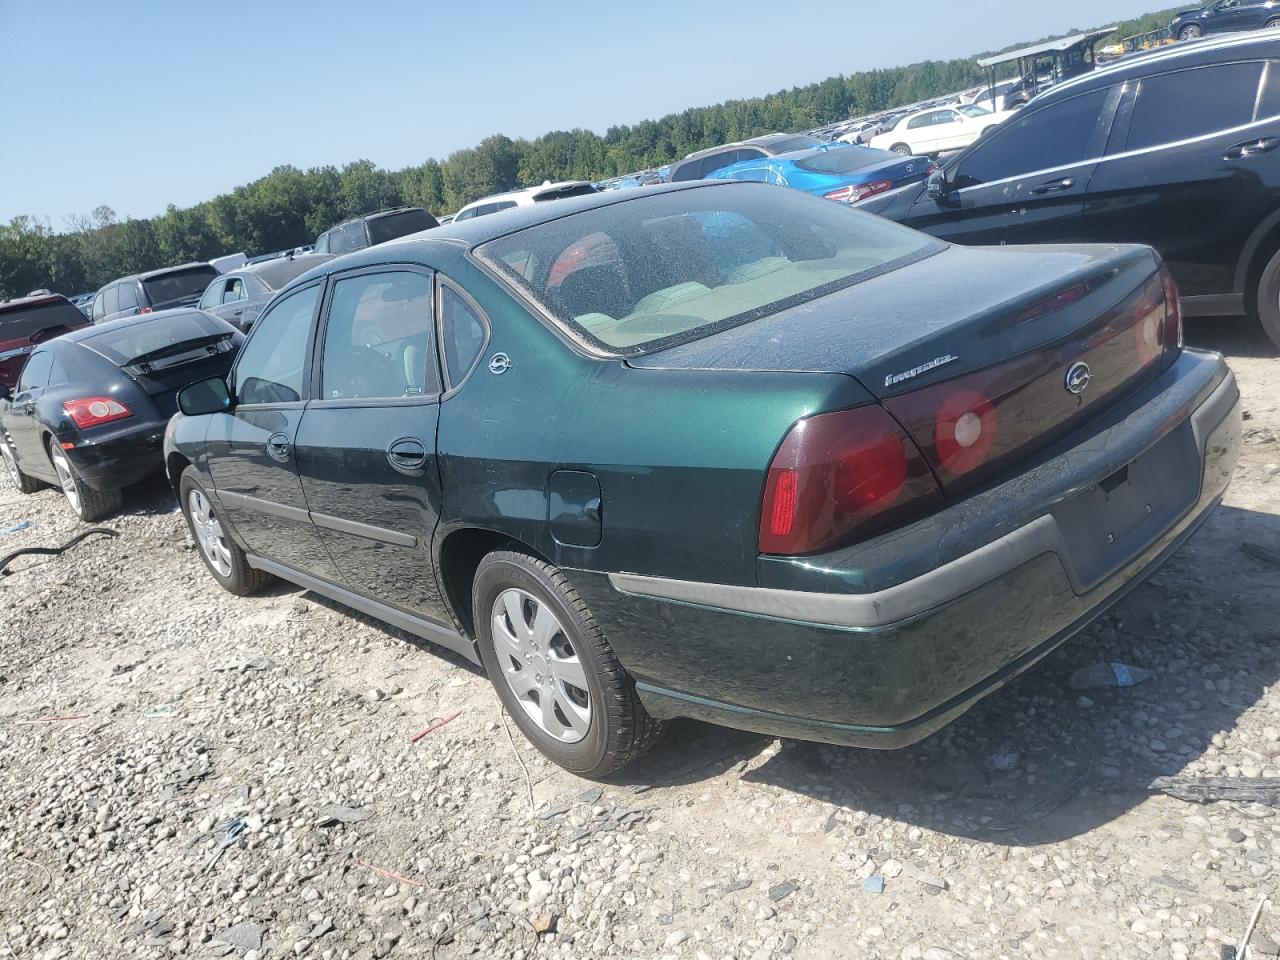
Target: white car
[524, 198]
[937, 131]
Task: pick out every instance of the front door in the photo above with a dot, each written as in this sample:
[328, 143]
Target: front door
[20, 415]
[366, 447]
[1190, 172]
[251, 448]
[1026, 181]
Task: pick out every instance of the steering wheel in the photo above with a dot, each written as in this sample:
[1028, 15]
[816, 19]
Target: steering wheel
[368, 373]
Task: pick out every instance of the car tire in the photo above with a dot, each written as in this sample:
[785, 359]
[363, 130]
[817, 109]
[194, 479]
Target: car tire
[1190, 32]
[1272, 23]
[1268, 299]
[89, 504]
[901, 149]
[20, 480]
[596, 723]
[222, 556]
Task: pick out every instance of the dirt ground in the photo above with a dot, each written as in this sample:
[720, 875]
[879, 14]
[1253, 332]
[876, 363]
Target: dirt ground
[237, 778]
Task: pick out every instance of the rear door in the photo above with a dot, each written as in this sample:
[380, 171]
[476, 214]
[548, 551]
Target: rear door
[950, 131]
[1024, 182]
[251, 447]
[366, 447]
[920, 133]
[1191, 169]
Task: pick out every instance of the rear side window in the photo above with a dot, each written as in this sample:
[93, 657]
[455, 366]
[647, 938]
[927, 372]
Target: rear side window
[35, 373]
[270, 369]
[382, 229]
[212, 296]
[1191, 103]
[377, 343]
[462, 333]
[1055, 136]
[322, 243]
[353, 237]
[111, 300]
[128, 296]
[22, 323]
[178, 285]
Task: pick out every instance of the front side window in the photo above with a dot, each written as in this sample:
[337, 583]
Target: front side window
[271, 365]
[336, 242]
[111, 300]
[212, 295]
[1192, 103]
[462, 334]
[235, 291]
[924, 120]
[377, 343]
[35, 372]
[1057, 135]
[322, 243]
[128, 296]
[353, 237]
[669, 267]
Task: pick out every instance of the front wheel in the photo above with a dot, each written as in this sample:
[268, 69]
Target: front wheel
[1189, 32]
[901, 149]
[1272, 23]
[88, 503]
[221, 555]
[1268, 299]
[554, 670]
[20, 480]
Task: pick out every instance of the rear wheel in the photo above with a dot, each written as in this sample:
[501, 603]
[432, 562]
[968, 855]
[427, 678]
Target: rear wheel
[554, 670]
[88, 503]
[901, 149]
[1189, 32]
[20, 480]
[1268, 299]
[223, 558]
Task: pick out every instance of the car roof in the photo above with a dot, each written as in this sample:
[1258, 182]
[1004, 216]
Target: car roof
[761, 141]
[308, 260]
[84, 333]
[1180, 55]
[21, 303]
[152, 274]
[390, 211]
[547, 187]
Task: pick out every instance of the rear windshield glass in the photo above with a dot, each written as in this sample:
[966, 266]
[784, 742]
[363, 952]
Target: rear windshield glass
[576, 190]
[23, 322]
[277, 273]
[668, 267]
[382, 229]
[795, 143]
[179, 284]
[846, 159]
[125, 344]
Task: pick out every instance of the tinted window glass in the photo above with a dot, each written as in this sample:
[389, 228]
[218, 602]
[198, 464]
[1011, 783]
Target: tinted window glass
[1269, 101]
[322, 243]
[235, 291]
[924, 120]
[382, 229]
[462, 333]
[111, 299]
[676, 265]
[377, 342]
[1190, 103]
[794, 143]
[353, 236]
[128, 296]
[57, 374]
[1054, 136]
[23, 322]
[337, 243]
[272, 361]
[212, 295]
[279, 272]
[35, 373]
[154, 338]
[465, 214]
[179, 284]
[100, 305]
[837, 160]
[721, 160]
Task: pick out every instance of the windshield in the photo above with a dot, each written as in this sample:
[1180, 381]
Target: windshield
[846, 160]
[179, 284]
[382, 229]
[970, 110]
[279, 272]
[124, 344]
[25, 322]
[668, 267]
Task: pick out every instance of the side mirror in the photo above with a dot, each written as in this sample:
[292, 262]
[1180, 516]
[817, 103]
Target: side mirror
[938, 186]
[204, 396]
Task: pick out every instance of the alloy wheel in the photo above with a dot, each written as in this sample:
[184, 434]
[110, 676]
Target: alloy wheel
[1189, 33]
[540, 665]
[209, 533]
[66, 479]
[10, 464]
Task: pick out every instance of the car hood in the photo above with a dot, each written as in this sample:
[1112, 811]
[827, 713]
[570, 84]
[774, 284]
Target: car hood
[960, 304]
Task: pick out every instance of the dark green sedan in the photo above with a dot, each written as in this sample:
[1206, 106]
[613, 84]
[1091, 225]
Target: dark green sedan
[720, 451]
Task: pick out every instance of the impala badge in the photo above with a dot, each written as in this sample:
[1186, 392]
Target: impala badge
[1078, 377]
[893, 378]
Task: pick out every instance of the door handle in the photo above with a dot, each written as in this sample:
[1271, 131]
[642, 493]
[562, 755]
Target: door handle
[236, 313]
[278, 447]
[1250, 147]
[1055, 186]
[407, 453]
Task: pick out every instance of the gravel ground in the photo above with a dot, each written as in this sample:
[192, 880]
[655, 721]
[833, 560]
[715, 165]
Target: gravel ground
[236, 777]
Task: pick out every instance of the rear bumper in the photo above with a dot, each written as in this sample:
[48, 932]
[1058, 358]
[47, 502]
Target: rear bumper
[884, 643]
[120, 458]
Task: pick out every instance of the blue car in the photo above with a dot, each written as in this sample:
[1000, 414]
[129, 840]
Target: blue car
[835, 171]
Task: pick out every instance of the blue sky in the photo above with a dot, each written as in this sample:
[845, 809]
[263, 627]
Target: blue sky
[136, 105]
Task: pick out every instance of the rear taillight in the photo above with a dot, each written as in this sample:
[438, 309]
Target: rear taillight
[840, 476]
[95, 411]
[144, 309]
[1172, 314]
[1055, 302]
[858, 191]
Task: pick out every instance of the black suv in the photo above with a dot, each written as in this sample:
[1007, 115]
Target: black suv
[373, 229]
[164, 289]
[1174, 148]
[1225, 16]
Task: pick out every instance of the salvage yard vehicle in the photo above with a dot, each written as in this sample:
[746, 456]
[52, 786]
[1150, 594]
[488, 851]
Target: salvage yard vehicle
[936, 131]
[27, 322]
[239, 295]
[703, 163]
[1225, 16]
[90, 407]
[373, 229]
[837, 172]
[165, 289]
[519, 198]
[713, 450]
[1175, 148]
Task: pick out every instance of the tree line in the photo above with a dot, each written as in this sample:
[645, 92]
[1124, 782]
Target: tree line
[290, 207]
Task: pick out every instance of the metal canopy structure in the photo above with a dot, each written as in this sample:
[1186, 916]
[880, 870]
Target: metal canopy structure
[1052, 46]
[1044, 64]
